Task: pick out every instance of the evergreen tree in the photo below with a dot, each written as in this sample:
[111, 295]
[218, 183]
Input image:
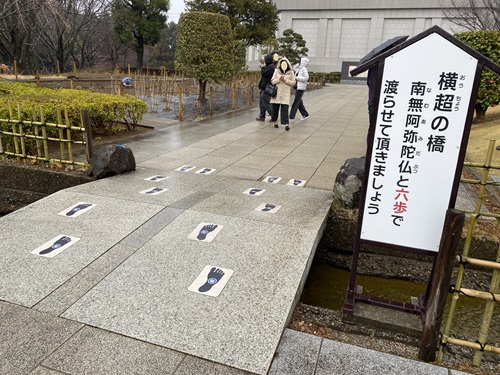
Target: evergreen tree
[205, 48]
[292, 46]
[252, 21]
[163, 53]
[139, 22]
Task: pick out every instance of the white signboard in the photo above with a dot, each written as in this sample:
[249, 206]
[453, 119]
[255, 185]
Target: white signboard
[423, 105]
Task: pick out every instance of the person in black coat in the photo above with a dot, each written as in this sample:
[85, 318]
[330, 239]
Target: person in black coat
[266, 73]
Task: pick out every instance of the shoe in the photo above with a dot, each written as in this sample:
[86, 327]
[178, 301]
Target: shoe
[276, 126]
[291, 119]
[287, 127]
[305, 117]
[260, 119]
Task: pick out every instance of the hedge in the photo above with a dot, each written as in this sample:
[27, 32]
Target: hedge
[105, 110]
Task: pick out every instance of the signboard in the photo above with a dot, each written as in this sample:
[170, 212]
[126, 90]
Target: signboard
[422, 110]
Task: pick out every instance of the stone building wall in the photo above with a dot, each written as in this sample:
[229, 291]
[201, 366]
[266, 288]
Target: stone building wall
[346, 30]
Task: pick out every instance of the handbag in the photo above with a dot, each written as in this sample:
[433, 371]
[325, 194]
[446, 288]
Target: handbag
[271, 90]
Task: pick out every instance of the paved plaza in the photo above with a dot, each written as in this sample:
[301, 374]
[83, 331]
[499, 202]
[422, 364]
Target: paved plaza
[194, 262]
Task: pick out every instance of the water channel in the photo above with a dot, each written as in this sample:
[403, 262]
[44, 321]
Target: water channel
[326, 287]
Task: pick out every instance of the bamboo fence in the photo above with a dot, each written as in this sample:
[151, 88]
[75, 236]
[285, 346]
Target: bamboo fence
[491, 296]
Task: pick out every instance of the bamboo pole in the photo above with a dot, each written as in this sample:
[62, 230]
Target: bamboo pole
[68, 135]
[15, 69]
[14, 130]
[181, 110]
[37, 134]
[473, 345]
[128, 69]
[74, 68]
[491, 298]
[480, 262]
[211, 101]
[44, 133]
[58, 68]
[233, 96]
[61, 133]
[21, 130]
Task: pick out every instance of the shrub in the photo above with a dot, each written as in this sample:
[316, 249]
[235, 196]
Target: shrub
[486, 42]
[105, 110]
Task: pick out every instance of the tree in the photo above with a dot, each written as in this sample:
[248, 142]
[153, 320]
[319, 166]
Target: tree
[488, 44]
[139, 22]
[474, 15]
[68, 29]
[252, 21]
[205, 48]
[163, 53]
[292, 45]
[17, 33]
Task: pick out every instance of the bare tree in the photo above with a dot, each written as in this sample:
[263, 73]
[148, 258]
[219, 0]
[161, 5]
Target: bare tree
[66, 29]
[474, 15]
[17, 18]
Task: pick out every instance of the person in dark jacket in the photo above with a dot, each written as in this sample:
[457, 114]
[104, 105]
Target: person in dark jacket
[266, 73]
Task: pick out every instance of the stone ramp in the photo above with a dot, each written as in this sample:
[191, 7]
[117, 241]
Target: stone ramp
[147, 296]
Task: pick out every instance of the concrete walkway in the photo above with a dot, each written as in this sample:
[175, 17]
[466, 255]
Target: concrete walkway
[193, 263]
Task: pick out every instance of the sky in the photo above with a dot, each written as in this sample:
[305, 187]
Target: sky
[176, 8]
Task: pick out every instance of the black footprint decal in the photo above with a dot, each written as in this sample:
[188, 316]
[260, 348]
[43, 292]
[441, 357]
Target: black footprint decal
[155, 190]
[213, 277]
[272, 179]
[60, 242]
[206, 230]
[206, 170]
[296, 182]
[78, 208]
[157, 178]
[268, 207]
[185, 168]
[254, 191]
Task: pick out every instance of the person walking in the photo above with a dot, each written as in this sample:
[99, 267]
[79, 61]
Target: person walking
[284, 79]
[302, 76]
[266, 73]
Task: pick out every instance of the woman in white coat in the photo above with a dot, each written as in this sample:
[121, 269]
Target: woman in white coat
[284, 79]
[302, 76]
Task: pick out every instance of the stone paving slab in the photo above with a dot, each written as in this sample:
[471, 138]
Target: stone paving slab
[130, 185]
[345, 359]
[94, 351]
[28, 336]
[300, 207]
[297, 354]
[26, 278]
[147, 297]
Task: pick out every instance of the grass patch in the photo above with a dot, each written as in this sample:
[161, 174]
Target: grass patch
[480, 136]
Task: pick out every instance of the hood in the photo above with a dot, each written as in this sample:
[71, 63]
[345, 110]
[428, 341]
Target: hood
[280, 61]
[268, 59]
[304, 62]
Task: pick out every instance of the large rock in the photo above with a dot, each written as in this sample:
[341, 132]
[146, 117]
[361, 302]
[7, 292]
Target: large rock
[111, 160]
[347, 187]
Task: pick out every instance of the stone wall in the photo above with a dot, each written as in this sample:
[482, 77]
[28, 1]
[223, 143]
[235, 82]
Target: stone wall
[22, 184]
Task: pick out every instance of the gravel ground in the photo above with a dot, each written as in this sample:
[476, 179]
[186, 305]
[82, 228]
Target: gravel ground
[329, 324]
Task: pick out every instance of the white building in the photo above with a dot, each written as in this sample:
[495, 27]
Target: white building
[338, 31]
